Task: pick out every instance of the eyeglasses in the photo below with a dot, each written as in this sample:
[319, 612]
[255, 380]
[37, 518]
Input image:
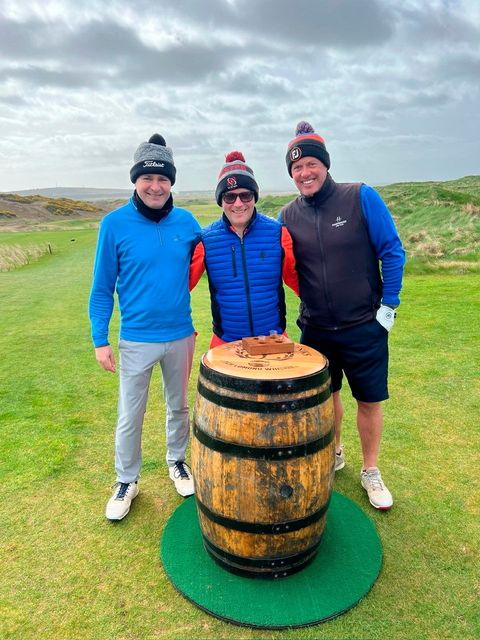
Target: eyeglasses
[245, 196]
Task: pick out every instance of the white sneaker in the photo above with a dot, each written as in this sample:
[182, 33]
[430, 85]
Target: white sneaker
[119, 504]
[378, 494]
[339, 459]
[182, 478]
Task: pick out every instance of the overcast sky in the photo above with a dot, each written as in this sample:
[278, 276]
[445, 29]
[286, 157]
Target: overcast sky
[393, 87]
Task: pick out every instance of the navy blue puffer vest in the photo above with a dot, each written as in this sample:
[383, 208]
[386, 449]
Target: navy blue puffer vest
[245, 278]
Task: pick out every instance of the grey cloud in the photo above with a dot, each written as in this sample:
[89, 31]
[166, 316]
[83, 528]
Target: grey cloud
[460, 66]
[341, 23]
[182, 64]
[41, 77]
[25, 40]
[13, 101]
[253, 82]
[446, 24]
[152, 110]
[435, 99]
[103, 42]
[95, 41]
[388, 103]
[244, 108]
[104, 52]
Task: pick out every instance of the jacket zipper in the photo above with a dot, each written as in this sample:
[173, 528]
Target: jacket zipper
[324, 269]
[234, 262]
[247, 287]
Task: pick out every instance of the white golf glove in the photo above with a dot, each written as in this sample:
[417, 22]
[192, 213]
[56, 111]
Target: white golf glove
[386, 316]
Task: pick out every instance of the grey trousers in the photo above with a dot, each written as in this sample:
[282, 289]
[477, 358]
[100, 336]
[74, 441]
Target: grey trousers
[137, 360]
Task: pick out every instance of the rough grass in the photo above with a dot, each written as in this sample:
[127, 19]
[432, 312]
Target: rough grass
[13, 256]
[55, 205]
[67, 574]
[439, 223]
[35, 211]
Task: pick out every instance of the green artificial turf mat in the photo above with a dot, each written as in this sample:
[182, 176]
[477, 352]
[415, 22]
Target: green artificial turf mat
[346, 566]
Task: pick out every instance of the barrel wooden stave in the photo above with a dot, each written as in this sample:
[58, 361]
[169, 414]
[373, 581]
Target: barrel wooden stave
[263, 430]
[228, 491]
[231, 482]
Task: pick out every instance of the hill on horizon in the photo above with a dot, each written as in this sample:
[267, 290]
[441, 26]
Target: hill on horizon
[91, 194]
[439, 222]
[94, 194]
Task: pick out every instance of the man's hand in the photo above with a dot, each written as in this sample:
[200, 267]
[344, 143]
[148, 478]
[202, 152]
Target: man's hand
[105, 358]
[386, 316]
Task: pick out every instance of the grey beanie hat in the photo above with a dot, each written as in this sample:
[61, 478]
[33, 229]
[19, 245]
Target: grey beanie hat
[153, 157]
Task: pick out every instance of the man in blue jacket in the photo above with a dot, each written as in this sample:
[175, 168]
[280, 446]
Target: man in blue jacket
[143, 253]
[246, 255]
[349, 260]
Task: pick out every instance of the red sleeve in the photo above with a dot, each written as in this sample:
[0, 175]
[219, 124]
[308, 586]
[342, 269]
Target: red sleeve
[289, 272]
[197, 265]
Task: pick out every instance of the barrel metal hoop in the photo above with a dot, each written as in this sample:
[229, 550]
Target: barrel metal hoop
[263, 527]
[253, 406]
[261, 567]
[263, 453]
[246, 385]
[263, 575]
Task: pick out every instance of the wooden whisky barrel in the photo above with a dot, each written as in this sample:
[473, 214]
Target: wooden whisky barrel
[263, 458]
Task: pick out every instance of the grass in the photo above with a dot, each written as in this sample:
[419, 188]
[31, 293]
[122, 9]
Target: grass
[61, 206]
[69, 574]
[13, 256]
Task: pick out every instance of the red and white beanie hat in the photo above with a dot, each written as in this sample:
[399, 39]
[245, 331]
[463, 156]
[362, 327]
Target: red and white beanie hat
[235, 174]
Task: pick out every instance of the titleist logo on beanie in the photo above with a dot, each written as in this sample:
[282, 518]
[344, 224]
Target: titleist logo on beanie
[153, 157]
[153, 163]
[235, 174]
[306, 143]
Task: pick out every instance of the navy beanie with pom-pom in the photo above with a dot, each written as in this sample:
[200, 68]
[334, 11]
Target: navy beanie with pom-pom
[235, 174]
[153, 157]
[306, 143]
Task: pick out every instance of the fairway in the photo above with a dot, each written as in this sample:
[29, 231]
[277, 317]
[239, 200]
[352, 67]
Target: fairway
[68, 574]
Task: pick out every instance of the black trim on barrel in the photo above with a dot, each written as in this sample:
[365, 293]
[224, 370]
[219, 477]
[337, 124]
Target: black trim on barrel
[261, 563]
[263, 575]
[263, 453]
[253, 406]
[247, 385]
[263, 527]
[269, 568]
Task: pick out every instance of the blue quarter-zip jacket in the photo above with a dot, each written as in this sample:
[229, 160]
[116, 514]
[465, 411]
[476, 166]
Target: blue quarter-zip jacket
[147, 264]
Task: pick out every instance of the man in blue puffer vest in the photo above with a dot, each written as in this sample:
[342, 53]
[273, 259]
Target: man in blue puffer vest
[246, 255]
[143, 253]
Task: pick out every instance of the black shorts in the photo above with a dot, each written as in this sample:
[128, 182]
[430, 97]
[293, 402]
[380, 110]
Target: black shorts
[361, 352]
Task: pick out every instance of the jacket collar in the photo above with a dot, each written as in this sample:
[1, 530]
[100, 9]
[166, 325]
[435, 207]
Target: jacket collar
[250, 224]
[322, 194]
[155, 215]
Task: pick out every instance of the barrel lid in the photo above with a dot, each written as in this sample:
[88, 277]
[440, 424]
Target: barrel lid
[233, 360]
